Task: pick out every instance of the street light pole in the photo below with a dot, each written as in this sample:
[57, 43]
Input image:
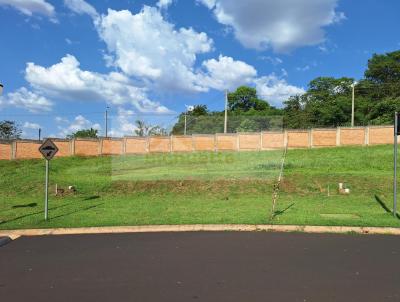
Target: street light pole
[353, 94]
[106, 120]
[1, 89]
[226, 112]
[184, 131]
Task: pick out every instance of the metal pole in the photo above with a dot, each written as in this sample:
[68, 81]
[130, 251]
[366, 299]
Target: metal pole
[352, 104]
[40, 132]
[106, 122]
[226, 112]
[184, 131]
[395, 166]
[46, 199]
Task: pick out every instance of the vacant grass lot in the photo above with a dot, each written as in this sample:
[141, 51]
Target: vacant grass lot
[203, 188]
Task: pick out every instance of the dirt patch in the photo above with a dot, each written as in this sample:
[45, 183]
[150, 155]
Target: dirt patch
[239, 186]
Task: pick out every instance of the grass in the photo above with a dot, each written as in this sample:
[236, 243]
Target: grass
[204, 188]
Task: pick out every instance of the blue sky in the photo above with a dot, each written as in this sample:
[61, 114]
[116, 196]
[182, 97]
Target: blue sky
[63, 62]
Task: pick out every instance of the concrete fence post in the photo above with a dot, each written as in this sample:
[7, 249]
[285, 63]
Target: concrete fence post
[310, 138]
[237, 141]
[171, 148]
[100, 146]
[261, 141]
[215, 143]
[338, 129]
[193, 145]
[147, 144]
[14, 149]
[366, 136]
[124, 146]
[285, 138]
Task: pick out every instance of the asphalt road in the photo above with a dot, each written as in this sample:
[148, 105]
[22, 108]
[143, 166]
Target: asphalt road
[219, 267]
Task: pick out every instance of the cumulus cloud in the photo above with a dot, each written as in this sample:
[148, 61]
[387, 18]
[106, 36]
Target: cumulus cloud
[31, 7]
[65, 80]
[283, 25]
[67, 127]
[26, 99]
[145, 45]
[275, 90]
[32, 126]
[81, 7]
[163, 4]
[226, 73]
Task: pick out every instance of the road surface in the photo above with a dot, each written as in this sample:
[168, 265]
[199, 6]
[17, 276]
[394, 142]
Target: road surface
[221, 266]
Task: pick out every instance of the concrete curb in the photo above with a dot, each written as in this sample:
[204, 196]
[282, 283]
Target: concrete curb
[13, 234]
[4, 240]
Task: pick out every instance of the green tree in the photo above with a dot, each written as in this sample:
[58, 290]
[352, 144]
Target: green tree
[244, 99]
[9, 130]
[84, 133]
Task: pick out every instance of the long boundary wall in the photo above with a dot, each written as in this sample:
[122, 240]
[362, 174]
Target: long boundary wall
[312, 138]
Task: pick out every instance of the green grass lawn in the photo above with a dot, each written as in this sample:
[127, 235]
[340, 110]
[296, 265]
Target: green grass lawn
[207, 188]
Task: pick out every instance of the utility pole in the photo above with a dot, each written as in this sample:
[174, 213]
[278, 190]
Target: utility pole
[226, 112]
[106, 120]
[353, 93]
[396, 133]
[184, 131]
[40, 133]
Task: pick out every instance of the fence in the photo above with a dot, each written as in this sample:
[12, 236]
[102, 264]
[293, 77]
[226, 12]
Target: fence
[312, 138]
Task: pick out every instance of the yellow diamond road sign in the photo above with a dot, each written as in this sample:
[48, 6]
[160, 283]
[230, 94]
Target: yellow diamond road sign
[48, 149]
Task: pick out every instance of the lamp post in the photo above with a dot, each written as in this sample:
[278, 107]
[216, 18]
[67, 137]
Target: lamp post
[226, 112]
[106, 121]
[353, 94]
[1, 89]
[188, 109]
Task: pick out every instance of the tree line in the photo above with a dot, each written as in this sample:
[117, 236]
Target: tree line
[326, 103]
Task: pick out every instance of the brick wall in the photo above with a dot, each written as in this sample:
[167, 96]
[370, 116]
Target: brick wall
[64, 148]
[86, 147]
[381, 135]
[159, 144]
[112, 146]
[324, 138]
[182, 144]
[352, 136]
[5, 151]
[204, 142]
[136, 145]
[226, 142]
[249, 141]
[26, 149]
[298, 139]
[273, 140]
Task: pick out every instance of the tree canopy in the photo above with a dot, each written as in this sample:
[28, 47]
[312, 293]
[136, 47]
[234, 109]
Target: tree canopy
[9, 130]
[85, 133]
[326, 103]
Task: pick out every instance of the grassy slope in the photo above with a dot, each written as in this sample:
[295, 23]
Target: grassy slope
[202, 188]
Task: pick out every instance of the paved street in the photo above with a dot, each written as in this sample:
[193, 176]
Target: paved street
[221, 266]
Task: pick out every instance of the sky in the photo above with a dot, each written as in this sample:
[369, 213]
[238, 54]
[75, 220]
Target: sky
[64, 62]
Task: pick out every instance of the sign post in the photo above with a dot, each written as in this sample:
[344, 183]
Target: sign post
[396, 134]
[48, 150]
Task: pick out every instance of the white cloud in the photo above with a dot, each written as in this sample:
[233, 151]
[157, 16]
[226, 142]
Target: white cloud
[31, 7]
[123, 124]
[145, 46]
[275, 90]
[79, 123]
[31, 101]
[33, 126]
[283, 25]
[81, 7]
[163, 4]
[65, 80]
[226, 73]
